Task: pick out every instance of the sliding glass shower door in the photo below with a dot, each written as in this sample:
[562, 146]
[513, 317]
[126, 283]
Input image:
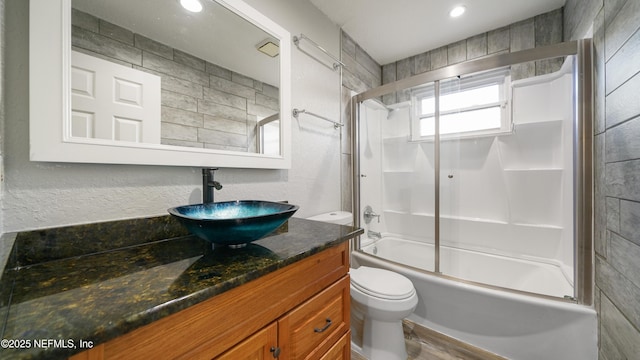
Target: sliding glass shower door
[475, 176]
[506, 181]
[396, 186]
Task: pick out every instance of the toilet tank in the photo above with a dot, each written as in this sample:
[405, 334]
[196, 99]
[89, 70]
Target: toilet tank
[335, 217]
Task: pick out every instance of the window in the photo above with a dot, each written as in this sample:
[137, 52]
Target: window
[469, 106]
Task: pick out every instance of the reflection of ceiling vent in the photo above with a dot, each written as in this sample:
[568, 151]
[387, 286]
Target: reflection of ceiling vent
[269, 47]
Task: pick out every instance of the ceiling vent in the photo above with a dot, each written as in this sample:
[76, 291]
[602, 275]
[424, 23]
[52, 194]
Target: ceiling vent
[269, 46]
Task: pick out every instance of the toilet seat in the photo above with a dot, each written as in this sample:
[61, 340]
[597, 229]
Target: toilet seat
[381, 284]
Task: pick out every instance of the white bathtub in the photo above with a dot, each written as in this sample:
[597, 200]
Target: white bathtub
[512, 325]
[538, 276]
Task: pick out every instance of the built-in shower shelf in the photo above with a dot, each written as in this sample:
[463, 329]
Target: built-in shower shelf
[449, 217]
[540, 226]
[532, 169]
[543, 122]
[474, 219]
[397, 212]
[535, 197]
[398, 171]
[403, 139]
[422, 214]
[398, 153]
[534, 145]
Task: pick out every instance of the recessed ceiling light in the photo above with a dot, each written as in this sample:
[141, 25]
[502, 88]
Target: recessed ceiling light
[191, 5]
[457, 11]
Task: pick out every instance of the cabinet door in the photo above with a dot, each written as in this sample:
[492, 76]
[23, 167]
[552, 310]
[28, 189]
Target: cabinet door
[341, 350]
[311, 329]
[259, 346]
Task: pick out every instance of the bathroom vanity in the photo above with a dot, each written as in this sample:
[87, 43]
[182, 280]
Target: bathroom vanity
[153, 291]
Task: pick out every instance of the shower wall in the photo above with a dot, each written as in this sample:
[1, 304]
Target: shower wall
[616, 39]
[508, 194]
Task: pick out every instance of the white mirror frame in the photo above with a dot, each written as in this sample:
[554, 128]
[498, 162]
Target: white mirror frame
[50, 101]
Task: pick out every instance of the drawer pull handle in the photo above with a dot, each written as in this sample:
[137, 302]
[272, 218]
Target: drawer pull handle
[324, 328]
[275, 351]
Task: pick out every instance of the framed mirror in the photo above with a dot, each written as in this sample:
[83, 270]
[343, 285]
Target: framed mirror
[150, 82]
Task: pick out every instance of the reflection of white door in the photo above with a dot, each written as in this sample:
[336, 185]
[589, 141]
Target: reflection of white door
[113, 102]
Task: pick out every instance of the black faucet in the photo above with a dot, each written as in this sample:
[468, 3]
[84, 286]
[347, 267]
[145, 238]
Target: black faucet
[208, 185]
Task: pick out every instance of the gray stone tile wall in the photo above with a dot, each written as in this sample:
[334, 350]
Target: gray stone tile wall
[2, 89]
[547, 32]
[476, 46]
[361, 71]
[203, 104]
[545, 29]
[617, 167]
[498, 40]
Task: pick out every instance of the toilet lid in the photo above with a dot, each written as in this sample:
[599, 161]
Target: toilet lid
[381, 283]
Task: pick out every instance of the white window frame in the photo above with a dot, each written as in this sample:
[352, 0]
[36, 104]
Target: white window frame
[500, 77]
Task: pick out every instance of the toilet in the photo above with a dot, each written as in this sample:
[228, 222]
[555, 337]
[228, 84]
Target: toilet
[380, 299]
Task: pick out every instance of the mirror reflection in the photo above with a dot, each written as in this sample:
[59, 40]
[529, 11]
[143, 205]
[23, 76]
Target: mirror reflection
[154, 72]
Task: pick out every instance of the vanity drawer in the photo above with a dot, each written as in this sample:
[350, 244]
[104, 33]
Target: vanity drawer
[341, 350]
[312, 328]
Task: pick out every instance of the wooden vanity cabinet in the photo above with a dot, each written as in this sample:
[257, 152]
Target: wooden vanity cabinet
[261, 345]
[307, 332]
[298, 312]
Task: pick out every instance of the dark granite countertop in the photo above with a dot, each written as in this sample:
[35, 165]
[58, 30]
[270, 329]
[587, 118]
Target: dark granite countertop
[65, 287]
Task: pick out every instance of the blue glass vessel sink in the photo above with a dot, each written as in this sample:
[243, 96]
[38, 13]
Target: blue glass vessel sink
[233, 222]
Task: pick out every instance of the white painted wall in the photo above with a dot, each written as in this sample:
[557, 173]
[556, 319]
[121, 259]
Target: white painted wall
[40, 195]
